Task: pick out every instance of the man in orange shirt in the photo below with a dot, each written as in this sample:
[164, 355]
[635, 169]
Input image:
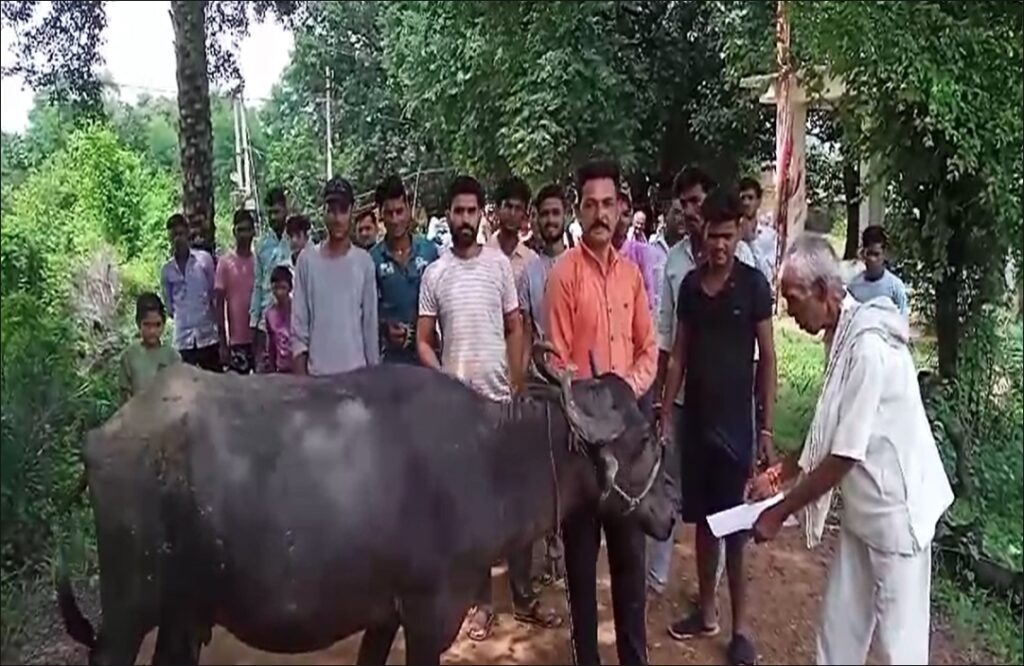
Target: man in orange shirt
[596, 304]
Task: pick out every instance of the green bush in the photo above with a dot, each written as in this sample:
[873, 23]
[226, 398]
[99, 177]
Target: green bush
[92, 202]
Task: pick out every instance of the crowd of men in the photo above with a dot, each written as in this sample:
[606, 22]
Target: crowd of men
[684, 314]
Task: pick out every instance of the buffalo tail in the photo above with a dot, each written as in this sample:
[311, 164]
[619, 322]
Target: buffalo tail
[77, 625]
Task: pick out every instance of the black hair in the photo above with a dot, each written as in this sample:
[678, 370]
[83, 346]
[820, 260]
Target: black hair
[391, 187]
[874, 235]
[176, 220]
[514, 188]
[366, 212]
[623, 196]
[275, 196]
[552, 191]
[466, 185]
[297, 224]
[598, 170]
[243, 215]
[281, 274]
[720, 206]
[747, 184]
[691, 177]
[149, 302]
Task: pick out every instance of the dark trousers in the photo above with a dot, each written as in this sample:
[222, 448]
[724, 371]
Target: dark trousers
[207, 358]
[581, 534]
[520, 563]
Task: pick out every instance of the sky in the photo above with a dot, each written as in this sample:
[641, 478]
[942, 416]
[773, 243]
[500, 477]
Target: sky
[139, 55]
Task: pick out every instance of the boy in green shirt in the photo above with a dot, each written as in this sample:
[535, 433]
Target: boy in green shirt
[144, 359]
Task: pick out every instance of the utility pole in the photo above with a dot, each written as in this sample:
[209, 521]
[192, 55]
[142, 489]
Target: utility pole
[784, 184]
[327, 112]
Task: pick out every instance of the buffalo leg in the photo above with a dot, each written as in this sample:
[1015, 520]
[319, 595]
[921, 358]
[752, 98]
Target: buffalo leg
[177, 643]
[118, 643]
[431, 623]
[375, 646]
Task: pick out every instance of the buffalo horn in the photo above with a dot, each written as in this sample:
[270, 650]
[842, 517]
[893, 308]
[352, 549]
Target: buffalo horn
[611, 469]
[593, 430]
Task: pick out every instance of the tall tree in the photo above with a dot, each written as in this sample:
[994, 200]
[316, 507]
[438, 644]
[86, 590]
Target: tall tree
[195, 136]
[933, 94]
[58, 51]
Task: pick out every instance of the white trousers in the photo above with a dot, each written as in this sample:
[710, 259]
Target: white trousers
[869, 590]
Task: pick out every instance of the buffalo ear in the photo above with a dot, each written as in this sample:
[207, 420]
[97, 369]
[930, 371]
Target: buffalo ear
[593, 400]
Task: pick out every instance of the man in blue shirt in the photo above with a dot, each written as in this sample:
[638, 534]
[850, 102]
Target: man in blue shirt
[187, 281]
[877, 280]
[399, 261]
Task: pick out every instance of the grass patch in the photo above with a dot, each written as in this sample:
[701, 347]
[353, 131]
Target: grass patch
[977, 617]
[801, 366]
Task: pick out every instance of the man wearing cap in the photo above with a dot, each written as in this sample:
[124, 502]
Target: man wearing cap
[334, 305]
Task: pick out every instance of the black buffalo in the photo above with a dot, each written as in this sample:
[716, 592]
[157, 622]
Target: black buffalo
[296, 511]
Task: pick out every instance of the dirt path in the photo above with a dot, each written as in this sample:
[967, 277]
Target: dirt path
[786, 585]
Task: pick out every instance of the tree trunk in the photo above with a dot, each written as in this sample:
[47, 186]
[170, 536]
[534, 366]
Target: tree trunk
[851, 192]
[195, 134]
[947, 305]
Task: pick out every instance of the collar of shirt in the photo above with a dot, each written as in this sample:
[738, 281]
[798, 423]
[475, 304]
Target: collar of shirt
[603, 268]
[521, 251]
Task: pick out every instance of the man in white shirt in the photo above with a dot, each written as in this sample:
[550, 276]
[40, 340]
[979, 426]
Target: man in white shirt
[761, 237]
[470, 293]
[871, 437]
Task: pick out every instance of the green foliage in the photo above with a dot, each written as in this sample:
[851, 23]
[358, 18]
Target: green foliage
[93, 196]
[801, 367]
[934, 91]
[985, 407]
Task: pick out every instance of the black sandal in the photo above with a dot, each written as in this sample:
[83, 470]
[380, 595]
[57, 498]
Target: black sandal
[692, 626]
[741, 651]
[546, 618]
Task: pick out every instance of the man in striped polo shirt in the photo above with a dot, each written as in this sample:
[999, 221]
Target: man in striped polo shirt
[470, 291]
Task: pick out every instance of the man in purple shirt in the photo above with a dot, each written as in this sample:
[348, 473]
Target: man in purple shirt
[636, 251]
[188, 283]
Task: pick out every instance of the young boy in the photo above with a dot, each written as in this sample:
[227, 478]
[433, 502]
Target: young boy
[877, 280]
[297, 228]
[279, 321]
[142, 360]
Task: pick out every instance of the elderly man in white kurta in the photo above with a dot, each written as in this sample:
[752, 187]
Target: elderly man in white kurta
[870, 438]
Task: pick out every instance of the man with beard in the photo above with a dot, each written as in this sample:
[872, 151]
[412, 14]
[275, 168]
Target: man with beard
[334, 304]
[550, 205]
[513, 214]
[471, 292]
[272, 249]
[723, 308]
[583, 327]
[400, 260]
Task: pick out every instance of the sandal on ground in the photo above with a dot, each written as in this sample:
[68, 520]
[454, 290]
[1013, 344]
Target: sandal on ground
[741, 651]
[481, 624]
[692, 626]
[537, 615]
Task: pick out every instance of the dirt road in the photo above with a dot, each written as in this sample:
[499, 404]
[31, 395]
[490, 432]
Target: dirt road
[786, 585]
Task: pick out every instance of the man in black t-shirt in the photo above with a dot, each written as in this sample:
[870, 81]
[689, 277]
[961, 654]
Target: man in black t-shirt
[723, 307]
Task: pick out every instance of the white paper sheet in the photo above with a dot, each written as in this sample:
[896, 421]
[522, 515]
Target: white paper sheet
[740, 517]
